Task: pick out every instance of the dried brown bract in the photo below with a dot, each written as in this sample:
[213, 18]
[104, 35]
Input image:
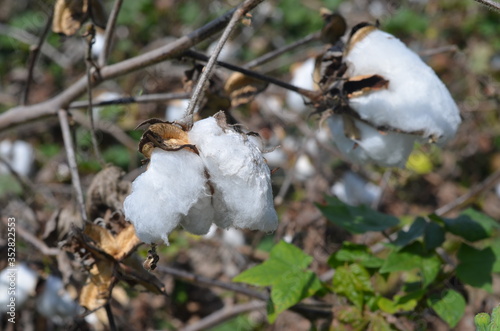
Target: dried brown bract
[69, 15]
[242, 89]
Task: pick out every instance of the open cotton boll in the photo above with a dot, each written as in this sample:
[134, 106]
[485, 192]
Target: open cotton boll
[25, 279]
[389, 149]
[165, 194]
[415, 98]
[55, 302]
[239, 175]
[200, 217]
[303, 78]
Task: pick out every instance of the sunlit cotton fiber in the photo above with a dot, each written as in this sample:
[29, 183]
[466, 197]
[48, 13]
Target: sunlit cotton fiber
[239, 176]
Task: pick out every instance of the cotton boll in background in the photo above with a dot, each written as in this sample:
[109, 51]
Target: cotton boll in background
[304, 169]
[390, 149]
[415, 98]
[98, 45]
[239, 175]
[25, 279]
[19, 155]
[233, 237]
[302, 77]
[165, 193]
[354, 190]
[175, 109]
[55, 302]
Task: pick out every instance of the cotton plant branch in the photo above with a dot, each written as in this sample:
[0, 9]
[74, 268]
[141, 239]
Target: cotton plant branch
[490, 4]
[224, 314]
[109, 33]
[33, 59]
[146, 98]
[207, 72]
[70, 154]
[90, 35]
[278, 52]
[33, 240]
[202, 57]
[22, 114]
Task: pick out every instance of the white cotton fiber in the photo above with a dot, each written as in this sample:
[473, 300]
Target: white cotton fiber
[55, 302]
[239, 176]
[164, 195]
[200, 217]
[354, 190]
[389, 149]
[19, 154]
[302, 77]
[415, 100]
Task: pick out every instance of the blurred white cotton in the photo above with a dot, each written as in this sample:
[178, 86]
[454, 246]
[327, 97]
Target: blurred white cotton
[175, 109]
[302, 76]
[55, 302]
[25, 280]
[18, 154]
[354, 190]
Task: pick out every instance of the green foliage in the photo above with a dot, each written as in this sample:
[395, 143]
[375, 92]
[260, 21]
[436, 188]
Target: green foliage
[449, 305]
[356, 219]
[286, 272]
[353, 282]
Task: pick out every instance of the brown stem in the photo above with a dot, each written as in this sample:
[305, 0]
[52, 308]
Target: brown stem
[34, 54]
[108, 34]
[490, 4]
[70, 154]
[128, 100]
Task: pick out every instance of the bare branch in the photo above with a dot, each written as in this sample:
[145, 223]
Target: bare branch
[146, 98]
[207, 72]
[490, 4]
[70, 154]
[33, 240]
[274, 54]
[223, 315]
[21, 114]
[108, 35]
[34, 54]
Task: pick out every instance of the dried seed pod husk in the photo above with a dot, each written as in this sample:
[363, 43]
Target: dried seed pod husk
[69, 15]
[242, 89]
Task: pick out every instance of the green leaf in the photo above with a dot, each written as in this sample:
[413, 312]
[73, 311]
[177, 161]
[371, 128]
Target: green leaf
[400, 303]
[351, 252]
[286, 272]
[471, 225]
[412, 257]
[416, 230]
[433, 236]
[358, 219]
[476, 266]
[449, 305]
[482, 321]
[353, 282]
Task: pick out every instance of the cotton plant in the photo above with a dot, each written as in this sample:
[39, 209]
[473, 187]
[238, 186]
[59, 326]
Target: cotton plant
[207, 174]
[385, 99]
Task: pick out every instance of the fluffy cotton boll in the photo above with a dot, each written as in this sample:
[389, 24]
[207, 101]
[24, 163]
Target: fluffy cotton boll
[98, 45]
[55, 302]
[25, 280]
[19, 154]
[389, 149]
[176, 109]
[239, 175]
[415, 99]
[165, 193]
[199, 219]
[303, 78]
[304, 169]
[354, 190]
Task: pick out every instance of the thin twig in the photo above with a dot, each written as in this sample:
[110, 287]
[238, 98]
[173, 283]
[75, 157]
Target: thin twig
[200, 280]
[207, 72]
[27, 38]
[111, 319]
[146, 98]
[202, 57]
[463, 200]
[490, 4]
[274, 54]
[108, 34]
[90, 112]
[22, 114]
[34, 54]
[70, 154]
[223, 315]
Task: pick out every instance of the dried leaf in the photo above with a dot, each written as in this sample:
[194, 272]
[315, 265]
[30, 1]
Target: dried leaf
[69, 15]
[242, 89]
[96, 292]
[334, 28]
